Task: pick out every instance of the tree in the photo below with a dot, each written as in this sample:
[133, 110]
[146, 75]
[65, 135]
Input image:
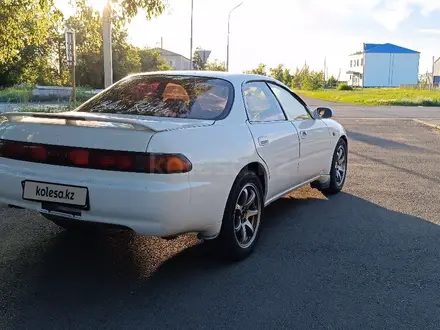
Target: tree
[198, 63]
[332, 82]
[277, 72]
[128, 9]
[23, 23]
[127, 59]
[287, 77]
[32, 46]
[281, 73]
[25, 39]
[296, 80]
[151, 60]
[215, 66]
[311, 80]
[260, 69]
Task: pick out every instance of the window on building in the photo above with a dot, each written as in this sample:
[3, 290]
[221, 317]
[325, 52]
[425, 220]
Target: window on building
[362, 61]
[357, 62]
[351, 63]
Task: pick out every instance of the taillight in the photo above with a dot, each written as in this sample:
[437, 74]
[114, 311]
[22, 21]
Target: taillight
[125, 162]
[98, 159]
[79, 157]
[39, 153]
[163, 163]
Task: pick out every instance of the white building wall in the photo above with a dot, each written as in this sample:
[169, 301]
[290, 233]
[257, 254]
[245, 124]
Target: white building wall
[185, 63]
[390, 70]
[356, 63]
[177, 62]
[437, 68]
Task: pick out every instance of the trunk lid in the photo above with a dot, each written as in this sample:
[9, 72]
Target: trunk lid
[90, 130]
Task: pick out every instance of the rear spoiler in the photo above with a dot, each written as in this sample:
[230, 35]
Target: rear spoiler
[138, 125]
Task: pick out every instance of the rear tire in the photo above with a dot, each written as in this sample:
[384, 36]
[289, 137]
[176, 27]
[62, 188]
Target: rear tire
[240, 228]
[338, 172]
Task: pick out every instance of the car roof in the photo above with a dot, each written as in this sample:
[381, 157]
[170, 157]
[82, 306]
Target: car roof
[232, 77]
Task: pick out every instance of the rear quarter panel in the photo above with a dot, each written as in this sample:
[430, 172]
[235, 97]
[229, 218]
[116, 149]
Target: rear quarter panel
[217, 153]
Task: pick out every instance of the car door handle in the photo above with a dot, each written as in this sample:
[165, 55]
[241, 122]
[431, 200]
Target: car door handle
[263, 141]
[303, 134]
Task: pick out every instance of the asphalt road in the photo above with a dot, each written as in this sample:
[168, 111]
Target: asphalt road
[368, 258]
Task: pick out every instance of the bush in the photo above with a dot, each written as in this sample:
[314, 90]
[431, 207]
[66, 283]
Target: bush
[332, 82]
[344, 87]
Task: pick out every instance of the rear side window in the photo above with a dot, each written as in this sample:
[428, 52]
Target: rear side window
[165, 96]
[260, 103]
[293, 108]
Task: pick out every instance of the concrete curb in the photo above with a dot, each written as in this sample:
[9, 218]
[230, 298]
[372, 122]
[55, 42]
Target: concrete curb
[427, 124]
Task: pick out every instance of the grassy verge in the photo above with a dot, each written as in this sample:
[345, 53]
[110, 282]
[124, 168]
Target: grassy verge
[44, 108]
[379, 96]
[24, 95]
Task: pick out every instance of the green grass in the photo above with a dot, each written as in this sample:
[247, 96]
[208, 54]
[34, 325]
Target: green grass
[16, 95]
[379, 96]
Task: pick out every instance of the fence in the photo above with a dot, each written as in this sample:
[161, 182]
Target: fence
[419, 86]
[56, 91]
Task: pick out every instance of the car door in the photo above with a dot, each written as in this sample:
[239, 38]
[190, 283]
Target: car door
[276, 139]
[314, 134]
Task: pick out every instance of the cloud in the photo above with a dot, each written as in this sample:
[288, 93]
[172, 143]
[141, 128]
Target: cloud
[429, 31]
[392, 13]
[389, 13]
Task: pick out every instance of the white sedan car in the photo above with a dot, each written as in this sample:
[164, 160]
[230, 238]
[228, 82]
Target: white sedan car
[169, 153]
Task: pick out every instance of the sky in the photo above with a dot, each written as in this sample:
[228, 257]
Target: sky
[291, 32]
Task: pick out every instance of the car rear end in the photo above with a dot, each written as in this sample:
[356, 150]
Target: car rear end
[93, 164]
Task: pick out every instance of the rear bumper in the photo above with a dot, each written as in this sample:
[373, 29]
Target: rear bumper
[148, 204]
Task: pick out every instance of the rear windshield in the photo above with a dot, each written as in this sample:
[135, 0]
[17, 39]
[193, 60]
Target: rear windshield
[165, 96]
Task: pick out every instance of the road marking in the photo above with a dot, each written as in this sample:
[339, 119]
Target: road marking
[427, 124]
[384, 118]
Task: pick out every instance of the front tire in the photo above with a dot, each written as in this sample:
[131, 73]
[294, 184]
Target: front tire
[242, 217]
[338, 172]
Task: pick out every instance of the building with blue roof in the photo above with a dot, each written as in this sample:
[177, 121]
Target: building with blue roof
[383, 65]
[437, 73]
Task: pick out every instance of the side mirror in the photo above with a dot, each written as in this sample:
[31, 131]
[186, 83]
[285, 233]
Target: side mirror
[324, 112]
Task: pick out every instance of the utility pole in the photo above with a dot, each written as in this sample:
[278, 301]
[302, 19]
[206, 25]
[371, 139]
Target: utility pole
[227, 43]
[161, 42]
[73, 76]
[107, 43]
[191, 66]
[71, 58]
[432, 72]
